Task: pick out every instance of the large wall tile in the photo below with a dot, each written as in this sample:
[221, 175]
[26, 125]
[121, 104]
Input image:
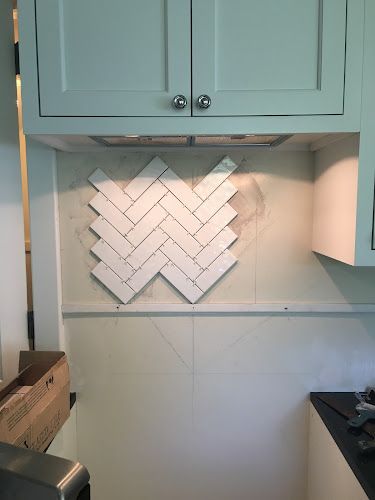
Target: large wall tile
[336, 350]
[249, 437]
[148, 344]
[135, 437]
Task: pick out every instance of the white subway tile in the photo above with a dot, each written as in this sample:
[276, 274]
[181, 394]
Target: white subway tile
[147, 248]
[114, 239]
[180, 189]
[181, 259]
[215, 271]
[110, 190]
[111, 213]
[118, 287]
[145, 178]
[216, 246]
[221, 219]
[149, 269]
[146, 201]
[215, 201]
[112, 259]
[181, 282]
[181, 236]
[218, 175]
[175, 208]
[146, 225]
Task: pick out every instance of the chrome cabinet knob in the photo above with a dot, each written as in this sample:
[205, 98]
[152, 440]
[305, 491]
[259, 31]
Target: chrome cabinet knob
[179, 102]
[204, 101]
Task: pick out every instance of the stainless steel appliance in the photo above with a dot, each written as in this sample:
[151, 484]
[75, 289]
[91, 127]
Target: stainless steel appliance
[29, 475]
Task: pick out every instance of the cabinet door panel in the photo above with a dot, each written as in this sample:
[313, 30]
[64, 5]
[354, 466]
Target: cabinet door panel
[113, 57]
[269, 57]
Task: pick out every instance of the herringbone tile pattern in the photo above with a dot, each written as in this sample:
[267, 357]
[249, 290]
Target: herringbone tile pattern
[157, 224]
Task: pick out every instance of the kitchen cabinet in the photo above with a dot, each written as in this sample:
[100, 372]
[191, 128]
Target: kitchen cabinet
[329, 475]
[343, 214]
[113, 58]
[269, 57]
[239, 59]
[336, 197]
[102, 69]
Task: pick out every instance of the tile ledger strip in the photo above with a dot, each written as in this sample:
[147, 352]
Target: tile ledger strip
[285, 309]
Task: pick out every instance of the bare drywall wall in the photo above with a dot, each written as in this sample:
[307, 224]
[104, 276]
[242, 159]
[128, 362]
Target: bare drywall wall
[211, 407]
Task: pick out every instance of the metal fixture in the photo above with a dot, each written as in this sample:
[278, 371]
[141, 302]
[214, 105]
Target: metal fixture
[201, 141]
[362, 418]
[143, 141]
[27, 474]
[179, 102]
[239, 140]
[204, 101]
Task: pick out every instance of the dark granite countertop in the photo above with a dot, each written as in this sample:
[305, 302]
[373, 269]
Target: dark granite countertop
[362, 464]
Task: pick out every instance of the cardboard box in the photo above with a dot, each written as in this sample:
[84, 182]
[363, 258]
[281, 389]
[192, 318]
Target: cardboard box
[34, 405]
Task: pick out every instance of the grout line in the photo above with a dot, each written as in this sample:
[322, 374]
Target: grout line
[169, 343]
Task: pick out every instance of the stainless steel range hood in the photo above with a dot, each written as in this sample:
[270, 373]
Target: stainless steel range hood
[251, 140]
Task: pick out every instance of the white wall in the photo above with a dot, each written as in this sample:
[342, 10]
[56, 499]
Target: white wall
[211, 407]
[45, 255]
[13, 308]
[64, 444]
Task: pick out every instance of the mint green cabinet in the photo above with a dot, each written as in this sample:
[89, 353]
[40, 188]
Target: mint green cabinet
[112, 57]
[269, 57]
[130, 58]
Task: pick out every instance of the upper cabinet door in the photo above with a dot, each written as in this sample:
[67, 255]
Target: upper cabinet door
[113, 57]
[268, 57]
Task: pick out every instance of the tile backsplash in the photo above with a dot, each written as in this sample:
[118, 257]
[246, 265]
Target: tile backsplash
[274, 206]
[211, 407]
